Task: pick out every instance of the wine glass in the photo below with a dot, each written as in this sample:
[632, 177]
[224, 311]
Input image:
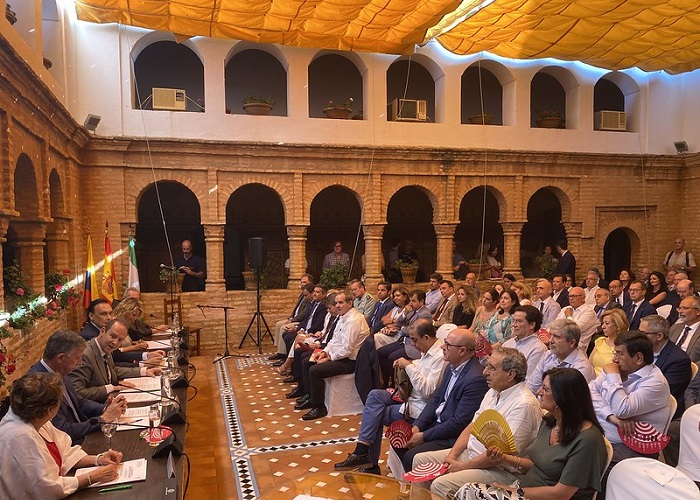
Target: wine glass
[108, 429]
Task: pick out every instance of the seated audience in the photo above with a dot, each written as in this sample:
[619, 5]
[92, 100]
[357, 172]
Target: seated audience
[35, 456]
[467, 460]
[523, 291]
[381, 409]
[626, 278]
[638, 306]
[499, 328]
[388, 333]
[591, 285]
[613, 323]
[446, 309]
[363, 301]
[382, 307]
[296, 316]
[526, 323]
[433, 297]
[467, 302]
[582, 313]
[337, 358]
[560, 292]
[568, 456]
[546, 304]
[487, 309]
[77, 416]
[563, 353]
[657, 289]
[685, 333]
[98, 376]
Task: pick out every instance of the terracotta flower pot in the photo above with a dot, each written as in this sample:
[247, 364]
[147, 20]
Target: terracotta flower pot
[550, 122]
[257, 108]
[480, 119]
[249, 279]
[408, 274]
[337, 113]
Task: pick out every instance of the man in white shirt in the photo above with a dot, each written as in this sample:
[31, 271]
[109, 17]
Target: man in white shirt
[381, 409]
[592, 280]
[547, 304]
[563, 353]
[337, 358]
[582, 313]
[433, 297]
[526, 321]
[505, 375]
[685, 333]
[630, 389]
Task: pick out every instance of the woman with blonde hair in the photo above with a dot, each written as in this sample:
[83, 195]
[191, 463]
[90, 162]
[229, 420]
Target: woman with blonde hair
[129, 310]
[468, 301]
[523, 291]
[614, 323]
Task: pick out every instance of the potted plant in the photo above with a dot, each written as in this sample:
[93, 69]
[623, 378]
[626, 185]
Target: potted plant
[408, 270]
[172, 279]
[481, 119]
[339, 110]
[549, 118]
[335, 276]
[256, 105]
[479, 268]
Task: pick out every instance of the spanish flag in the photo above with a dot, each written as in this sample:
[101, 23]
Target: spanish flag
[90, 278]
[107, 291]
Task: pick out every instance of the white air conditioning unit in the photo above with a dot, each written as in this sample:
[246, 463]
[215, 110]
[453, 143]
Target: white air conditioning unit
[610, 120]
[408, 110]
[171, 99]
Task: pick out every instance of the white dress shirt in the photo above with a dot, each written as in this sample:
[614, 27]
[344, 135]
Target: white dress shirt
[531, 347]
[576, 359]
[590, 294]
[352, 329]
[425, 374]
[586, 320]
[643, 397]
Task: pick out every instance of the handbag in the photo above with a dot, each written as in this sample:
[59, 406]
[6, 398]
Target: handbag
[403, 387]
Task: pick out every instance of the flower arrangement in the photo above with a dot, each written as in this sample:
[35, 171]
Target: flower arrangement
[346, 104]
[540, 114]
[255, 99]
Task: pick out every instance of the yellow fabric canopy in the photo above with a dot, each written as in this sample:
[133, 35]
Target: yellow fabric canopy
[650, 34]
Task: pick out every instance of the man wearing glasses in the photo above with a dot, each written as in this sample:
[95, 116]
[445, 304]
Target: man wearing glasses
[638, 306]
[583, 314]
[337, 256]
[685, 333]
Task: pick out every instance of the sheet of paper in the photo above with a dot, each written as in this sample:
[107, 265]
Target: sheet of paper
[163, 345]
[143, 383]
[129, 471]
[141, 397]
[134, 416]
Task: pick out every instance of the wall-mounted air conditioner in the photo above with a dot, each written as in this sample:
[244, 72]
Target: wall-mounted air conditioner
[408, 110]
[171, 99]
[610, 120]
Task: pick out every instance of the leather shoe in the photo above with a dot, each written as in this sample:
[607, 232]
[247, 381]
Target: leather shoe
[353, 461]
[303, 398]
[276, 356]
[304, 405]
[315, 413]
[373, 469]
[290, 380]
[296, 393]
[278, 363]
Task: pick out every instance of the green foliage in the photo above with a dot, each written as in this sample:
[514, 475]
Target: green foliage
[335, 276]
[256, 99]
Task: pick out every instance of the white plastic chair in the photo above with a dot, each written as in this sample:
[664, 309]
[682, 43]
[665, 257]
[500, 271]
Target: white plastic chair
[689, 455]
[609, 450]
[664, 310]
[638, 478]
[673, 406]
[445, 329]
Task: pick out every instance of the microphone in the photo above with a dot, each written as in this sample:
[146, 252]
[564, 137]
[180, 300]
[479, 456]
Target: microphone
[169, 445]
[169, 268]
[171, 416]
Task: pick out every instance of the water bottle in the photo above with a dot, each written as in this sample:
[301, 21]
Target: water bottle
[176, 324]
[154, 422]
[166, 392]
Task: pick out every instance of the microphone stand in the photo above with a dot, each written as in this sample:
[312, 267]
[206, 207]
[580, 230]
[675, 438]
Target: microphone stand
[258, 316]
[226, 353]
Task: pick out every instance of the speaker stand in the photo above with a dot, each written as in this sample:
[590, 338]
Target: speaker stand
[257, 318]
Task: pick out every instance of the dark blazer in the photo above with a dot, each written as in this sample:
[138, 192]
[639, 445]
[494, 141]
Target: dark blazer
[301, 314]
[88, 411]
[644, 309]
[127, 359]
[693, 350]
[380, 310]
[674, 363]
[675, 300]
[463, 401]
[318, 317]
[567, 265]
[90, 378]
[367, 368]
[563, 299]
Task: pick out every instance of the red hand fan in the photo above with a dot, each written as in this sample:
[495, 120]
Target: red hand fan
[399, 432]
[645, 439]
[425, 472]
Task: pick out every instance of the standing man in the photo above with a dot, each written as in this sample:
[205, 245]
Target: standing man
[678, 259]
[337, 358]
[559, 291]
[446, 309]
[582, 314]
[382, 307]
[381, 409]
[193, 267]
[97, 376]
[433, 297]
[638, 306]
[546, 304]
[363, 302]
[563, 353]
[567, 262]
[77, 416]
[673, 362]
[526, 321]
[685, 333]
[337, 256]
[453, 405]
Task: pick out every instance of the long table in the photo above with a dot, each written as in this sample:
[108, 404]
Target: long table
[129, 443]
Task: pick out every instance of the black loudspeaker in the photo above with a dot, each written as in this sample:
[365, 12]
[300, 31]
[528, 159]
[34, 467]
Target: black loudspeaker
[170, 444]
[256, 256]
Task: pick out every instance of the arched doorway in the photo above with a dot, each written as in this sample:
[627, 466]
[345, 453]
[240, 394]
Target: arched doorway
[543, 227]
[617, 253]
[410, 220]
[182, 215]
[478, 210]
[335, 215]
[255, 211]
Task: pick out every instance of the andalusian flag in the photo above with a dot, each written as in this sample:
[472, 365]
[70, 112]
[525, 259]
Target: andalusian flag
[107, 291]
[90, 278]
[133, 268]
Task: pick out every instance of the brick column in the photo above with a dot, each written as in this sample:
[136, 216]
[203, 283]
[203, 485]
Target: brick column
[4, 223]
[214, 241]
[58, 244]
[297, 255]
[373, 254]
[511, 247]
[573, 238]
[30, 250]
[445, 235]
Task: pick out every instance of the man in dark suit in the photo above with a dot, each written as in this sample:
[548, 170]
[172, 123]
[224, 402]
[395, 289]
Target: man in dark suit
[98, 376]
[567, 262]
[638, 306]
[669, 358]
[453, 404]
[77, 416]
[618, 294]
[686, 334]
[559, 291]
[382, 307]
[298, 313]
